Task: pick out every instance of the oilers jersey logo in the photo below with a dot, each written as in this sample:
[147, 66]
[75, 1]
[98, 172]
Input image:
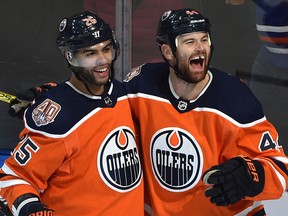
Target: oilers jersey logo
[177, 159]
[118, 160]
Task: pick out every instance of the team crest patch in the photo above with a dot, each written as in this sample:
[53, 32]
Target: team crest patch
[62, 25]
[119, 161]
[166, 15]
[176, 159]
[45, 112]
[133, 73]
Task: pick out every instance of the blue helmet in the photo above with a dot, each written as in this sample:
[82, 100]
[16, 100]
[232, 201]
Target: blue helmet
[84, 30]
[177, 22]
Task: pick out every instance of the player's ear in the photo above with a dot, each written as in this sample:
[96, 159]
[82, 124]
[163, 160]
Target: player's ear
[166, 51]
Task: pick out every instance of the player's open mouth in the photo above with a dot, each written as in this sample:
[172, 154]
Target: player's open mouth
[197, 62]
[102, 70]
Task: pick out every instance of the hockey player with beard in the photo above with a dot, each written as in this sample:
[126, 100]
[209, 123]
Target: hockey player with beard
[207, 147]
[78, 154]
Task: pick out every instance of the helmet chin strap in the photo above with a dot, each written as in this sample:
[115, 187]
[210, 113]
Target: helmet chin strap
[178, 72]
[176, 69]
[75, 69]
[77, 75]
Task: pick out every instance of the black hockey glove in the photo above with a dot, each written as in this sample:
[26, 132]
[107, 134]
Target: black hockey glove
[24, 99]
[30, 205]
[233, 180]
[4, 209]
[35, 209]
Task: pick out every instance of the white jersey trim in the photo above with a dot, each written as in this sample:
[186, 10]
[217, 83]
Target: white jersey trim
[272, 28]
[249, 209]
[201, 109]
[79, 123]
[277, 50]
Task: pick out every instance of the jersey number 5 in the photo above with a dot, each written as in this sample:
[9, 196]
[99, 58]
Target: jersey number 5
[23, 154]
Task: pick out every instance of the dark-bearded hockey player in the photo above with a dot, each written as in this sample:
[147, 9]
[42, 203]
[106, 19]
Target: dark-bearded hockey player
[208, 148]
[78, 154]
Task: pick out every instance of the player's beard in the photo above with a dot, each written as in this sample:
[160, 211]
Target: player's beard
[89, 76]
[184, 71]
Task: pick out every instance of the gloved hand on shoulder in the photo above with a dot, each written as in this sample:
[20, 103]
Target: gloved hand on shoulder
[24, 100]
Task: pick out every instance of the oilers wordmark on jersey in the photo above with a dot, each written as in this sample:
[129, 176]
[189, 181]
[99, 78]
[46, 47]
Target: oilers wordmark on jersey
[176, 159]
[118, 160]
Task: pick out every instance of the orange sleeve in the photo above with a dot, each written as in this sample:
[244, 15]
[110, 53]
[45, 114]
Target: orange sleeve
[23, 172]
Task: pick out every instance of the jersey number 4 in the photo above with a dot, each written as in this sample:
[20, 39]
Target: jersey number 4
[267, 142]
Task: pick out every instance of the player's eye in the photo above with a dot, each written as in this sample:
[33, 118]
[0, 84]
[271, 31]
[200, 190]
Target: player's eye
[205, 39]
[107, 48]
[189, 42]
[89, 54]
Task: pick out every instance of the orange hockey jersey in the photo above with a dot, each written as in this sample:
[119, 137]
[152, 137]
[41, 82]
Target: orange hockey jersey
[182, 139]
[79, 154]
